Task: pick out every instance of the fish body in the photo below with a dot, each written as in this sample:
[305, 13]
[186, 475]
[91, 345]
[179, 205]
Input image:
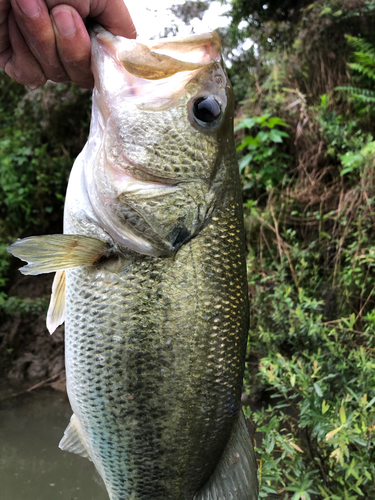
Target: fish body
[156, 319]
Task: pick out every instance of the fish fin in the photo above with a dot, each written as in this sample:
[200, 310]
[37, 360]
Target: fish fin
[56, 252]
[235, 477]
[72, 440]
[56, 309]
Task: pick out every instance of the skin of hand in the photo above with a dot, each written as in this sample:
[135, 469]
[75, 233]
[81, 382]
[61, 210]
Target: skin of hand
[44, 40]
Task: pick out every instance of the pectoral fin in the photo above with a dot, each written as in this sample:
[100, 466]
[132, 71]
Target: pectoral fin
[72, 440]
[235, 477]
[56, 309]
[46, 254]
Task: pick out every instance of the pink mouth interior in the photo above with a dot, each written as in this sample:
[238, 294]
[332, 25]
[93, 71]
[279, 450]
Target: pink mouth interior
[119, 79]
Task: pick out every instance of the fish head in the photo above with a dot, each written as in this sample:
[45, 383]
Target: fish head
[161, 125]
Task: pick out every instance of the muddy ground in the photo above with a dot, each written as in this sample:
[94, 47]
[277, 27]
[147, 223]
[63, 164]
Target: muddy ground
[27, 351]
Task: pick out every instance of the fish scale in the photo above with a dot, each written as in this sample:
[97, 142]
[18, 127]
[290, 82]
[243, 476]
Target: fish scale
[165, 139]
[148, 331]
[151, 278]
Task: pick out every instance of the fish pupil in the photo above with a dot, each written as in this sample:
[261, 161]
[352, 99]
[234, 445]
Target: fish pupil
[206, 109]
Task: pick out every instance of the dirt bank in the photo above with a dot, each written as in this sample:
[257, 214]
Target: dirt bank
[27, 350]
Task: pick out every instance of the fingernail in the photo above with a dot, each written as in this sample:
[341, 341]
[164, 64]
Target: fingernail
[30, 8]
[64, 22]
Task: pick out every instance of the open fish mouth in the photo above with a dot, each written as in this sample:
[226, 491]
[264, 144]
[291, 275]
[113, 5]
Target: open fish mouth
[154, 72]
[161, 59]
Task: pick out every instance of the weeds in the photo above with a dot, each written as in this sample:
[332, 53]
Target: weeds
[264, 165]
[37, 149]
[311, 263]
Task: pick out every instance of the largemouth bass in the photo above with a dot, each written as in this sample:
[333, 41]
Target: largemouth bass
[151, 277]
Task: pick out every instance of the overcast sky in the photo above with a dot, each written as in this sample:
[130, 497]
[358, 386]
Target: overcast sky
[152, 16]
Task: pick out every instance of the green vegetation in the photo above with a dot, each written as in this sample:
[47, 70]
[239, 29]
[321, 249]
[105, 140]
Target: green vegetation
[309, 216]
[305, 94]
[265, 164]
[42, 131]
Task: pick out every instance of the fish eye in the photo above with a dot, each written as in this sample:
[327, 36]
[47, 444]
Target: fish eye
[206, 111]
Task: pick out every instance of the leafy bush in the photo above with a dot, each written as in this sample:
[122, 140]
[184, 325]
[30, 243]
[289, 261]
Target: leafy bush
[37, 149]
[265, 164]
[364, 65]
[36, 154]
[311, 262]
[317, 433]
[25, 307]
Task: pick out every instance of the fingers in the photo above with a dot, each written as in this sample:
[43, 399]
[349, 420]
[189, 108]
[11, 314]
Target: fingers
[115, 17]
[59, 45]
[4, 32]
[111, 14]
[45, 39]
[73, 45]
[18, 62]
[34, 22]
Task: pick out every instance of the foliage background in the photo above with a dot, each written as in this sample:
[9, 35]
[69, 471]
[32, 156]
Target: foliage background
[306, 147]
[305, 121]
[41, 133]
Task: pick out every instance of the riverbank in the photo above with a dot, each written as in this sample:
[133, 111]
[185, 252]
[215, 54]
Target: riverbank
[27, 351]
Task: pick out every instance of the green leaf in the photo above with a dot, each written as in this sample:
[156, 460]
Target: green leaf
[249, 141]
[276, 135]
[325, 407]
[318, 390]
[245, 123]
[370, 404]
[276, 121]
[342, 415]
[243, 163]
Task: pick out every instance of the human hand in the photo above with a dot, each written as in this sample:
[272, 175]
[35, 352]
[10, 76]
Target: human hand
[44, 40]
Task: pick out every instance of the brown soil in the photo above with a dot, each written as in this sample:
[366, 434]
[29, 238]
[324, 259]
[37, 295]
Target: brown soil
[27, 350]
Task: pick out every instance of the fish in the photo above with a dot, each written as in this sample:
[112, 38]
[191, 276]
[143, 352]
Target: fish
[151, 276]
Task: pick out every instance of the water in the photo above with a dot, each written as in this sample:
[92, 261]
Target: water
[32, 467]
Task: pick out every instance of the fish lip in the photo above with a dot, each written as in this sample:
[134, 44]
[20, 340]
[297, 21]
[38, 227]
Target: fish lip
[116, 55]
